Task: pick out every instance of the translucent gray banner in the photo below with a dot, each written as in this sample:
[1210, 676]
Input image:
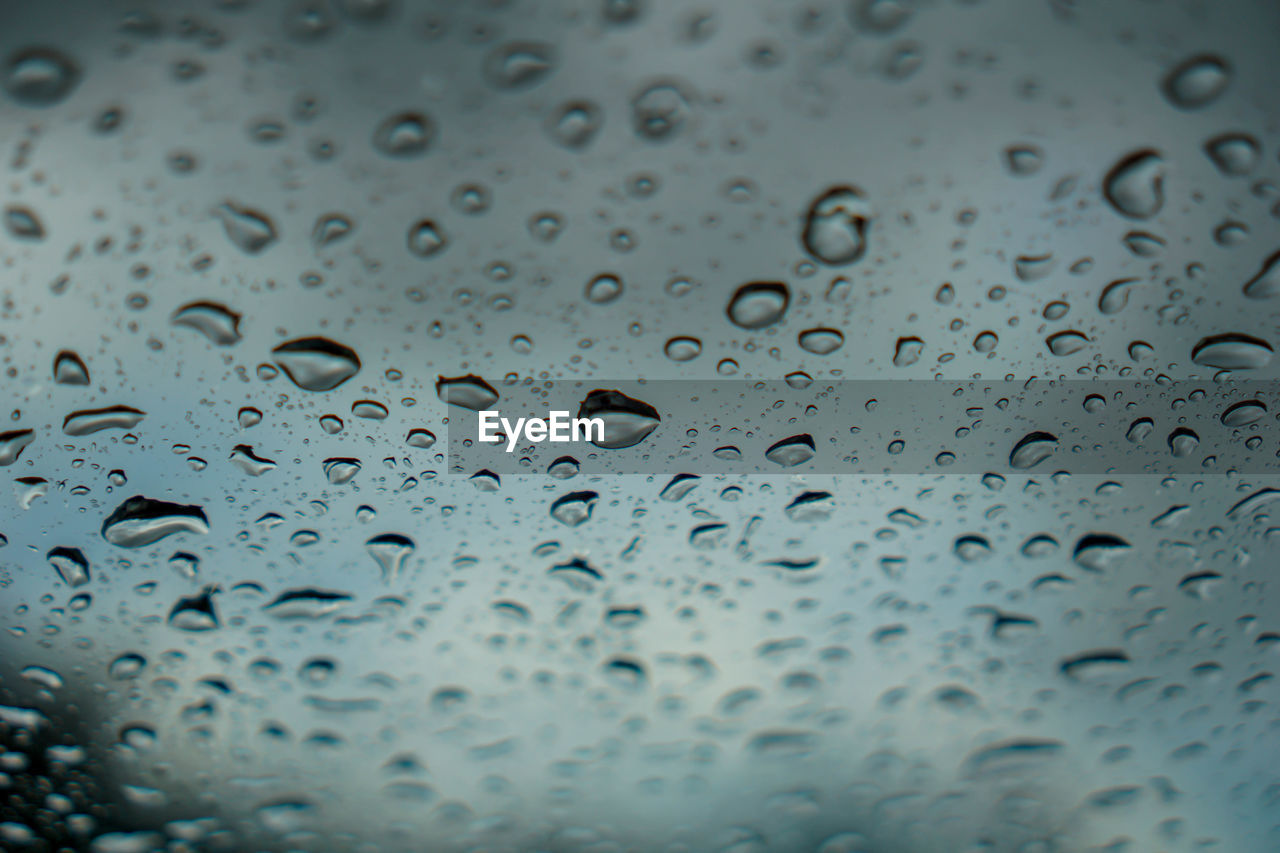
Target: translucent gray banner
[862, 428]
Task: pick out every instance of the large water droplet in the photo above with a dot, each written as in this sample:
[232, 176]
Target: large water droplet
[758, 304]
[1135, 185]
[627, 421]
[71, 565]
[1234, 154]
[316, 364]
[792, 451]
[88, 421]
[821, 341]
[574, 508]
[1066, 343]
[469, 392]
[40, 76]
[1196, 81]
[1115, 296]
[140, 521]
[682, 349]
[1244, 413]
[1266, 283]
[1096, 551]
[216, 322]
[250, 230]
[1032, 449]
[389, 551]
[835, 227]
[244, 458]
[12, 444]
[907, 351]
[1232, 351]
[68, 369]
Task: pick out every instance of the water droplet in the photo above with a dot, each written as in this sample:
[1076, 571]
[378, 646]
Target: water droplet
[835, 226]
[1033, 449]
[907, 351]
[985, 342]
[389, 551]
[1135, 185]
[519, 64]
[971, 548]
[420, 438]
[426, 239]
[1234, 154]
[659, 111]
[316, 364]
[821, 341]
[678, 487]
[758, 304]
[1095, 552]
[22, 223]
[469, 392]
[1232, 351]
[340, 469]
[140, 521]
[604, 288]
[69, 369]
[331, 424]
[1143, 244]
[244, 458]
[682, 349]
[12, 444]
[811, 507]
[369, 410]
[1115, 296]
[1266, 283]
[195, 613]
[71, 565]
[1095, 664]
[40, 76]
[1244, 413]
[1023, 160]
[792, 451]
[627, 421]
[330, 228]
[880, 17]
[88, 421]
[404, 134]
[564, 468]
[1139, 430]
[1030, 268]
[574, 508]
[250, 230]
[248, 417]
[126, 666]
[1066, 343]
[574, 124]
[1196, 81]
[1183, 442]
[216, 322]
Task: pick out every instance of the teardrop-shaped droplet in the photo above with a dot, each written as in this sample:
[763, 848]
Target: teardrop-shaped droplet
[1232, 351]
[389, 551]
[250, 230]
[89, 421]
[1266, 283]
[12, 443]
[1066, 343]
[1032, 449]
[574, 508]
[216, 322]
[835, 226]
[1234, 154]
[519, 64]
[469, 392]
[330, 228]
[574, 124]
[426, 239]
[758, 304]
[1196, 81]
[22, 223]
[71, 565]
[1115, 296]
[40, 76]
[1135, 185]
[140, 521]
[792, 451]
[821, 341]
[316, 364]
[907, 351]
[627, 421]
[404, 134]
[69, 369]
